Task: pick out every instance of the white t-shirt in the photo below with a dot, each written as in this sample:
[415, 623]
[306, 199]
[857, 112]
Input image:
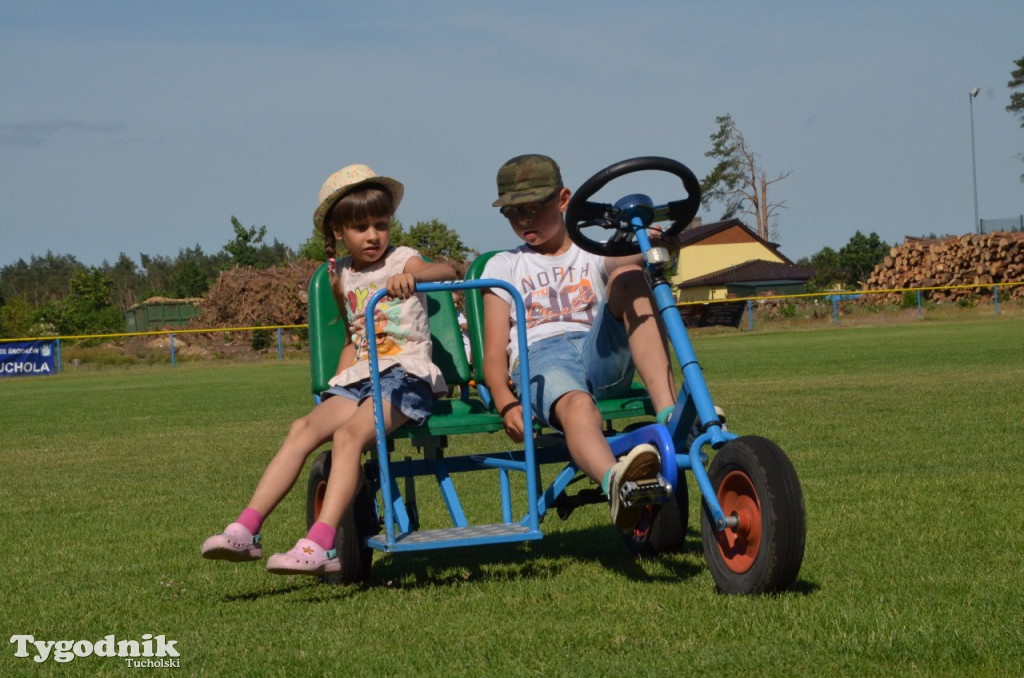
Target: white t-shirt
[401, 325]
[561, 293]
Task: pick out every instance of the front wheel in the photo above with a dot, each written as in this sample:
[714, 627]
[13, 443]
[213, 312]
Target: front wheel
[357, 523]
[755, 483]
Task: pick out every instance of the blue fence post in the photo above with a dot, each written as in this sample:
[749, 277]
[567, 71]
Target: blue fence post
[280, 355]
[835, 312]
[172, 350]
[60, 366]
[750, 313]
[919, 303]
[995, 292]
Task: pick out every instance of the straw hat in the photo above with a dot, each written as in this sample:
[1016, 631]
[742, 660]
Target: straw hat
[348, 179]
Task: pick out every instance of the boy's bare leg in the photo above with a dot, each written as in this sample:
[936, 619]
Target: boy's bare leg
[582, 422]
[576, 414]
[630, 300]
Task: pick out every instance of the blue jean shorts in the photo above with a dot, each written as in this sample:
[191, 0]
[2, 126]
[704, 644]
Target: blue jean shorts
[598, 362]
[410, 395]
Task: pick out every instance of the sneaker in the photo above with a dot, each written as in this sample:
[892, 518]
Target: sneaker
[642, 463]
[236, 543]
[307, 557]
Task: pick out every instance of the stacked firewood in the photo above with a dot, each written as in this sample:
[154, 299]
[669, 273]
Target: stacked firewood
[953, 261]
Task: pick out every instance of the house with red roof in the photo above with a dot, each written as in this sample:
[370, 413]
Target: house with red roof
[725, 259]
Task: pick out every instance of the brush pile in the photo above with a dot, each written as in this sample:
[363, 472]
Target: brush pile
[249, 297]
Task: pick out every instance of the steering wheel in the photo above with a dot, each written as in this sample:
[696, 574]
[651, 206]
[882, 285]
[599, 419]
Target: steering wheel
[622, 242]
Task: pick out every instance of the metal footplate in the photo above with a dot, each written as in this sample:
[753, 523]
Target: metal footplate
[646, 491]
[473, 535]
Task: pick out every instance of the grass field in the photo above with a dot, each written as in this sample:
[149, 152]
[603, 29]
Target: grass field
[907, 440]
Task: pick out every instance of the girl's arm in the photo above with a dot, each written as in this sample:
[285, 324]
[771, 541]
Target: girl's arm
[497, 325]
[416, 270]
[348, 352]
[348, 357]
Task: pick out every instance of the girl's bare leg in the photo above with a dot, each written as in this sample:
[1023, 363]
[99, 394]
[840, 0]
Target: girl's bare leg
[305, 435]
[355, 435]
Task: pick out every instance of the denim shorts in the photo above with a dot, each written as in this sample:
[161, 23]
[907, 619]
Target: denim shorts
[410, 395]
[597, 362]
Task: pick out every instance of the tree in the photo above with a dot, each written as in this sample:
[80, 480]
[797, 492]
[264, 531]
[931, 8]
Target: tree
[189, 280]
[848, 267]
[39, 280]
[1017, 98]
[313, 249]
[16, 318]
[827, 269]
[248, 249]
[126, 281]
[156, 274]
[435, 240]
[860, 256]
[738, 180]
[242, 249]
[88, 309]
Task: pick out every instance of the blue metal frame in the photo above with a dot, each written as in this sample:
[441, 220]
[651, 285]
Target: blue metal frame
[393, 508]
[694, 395]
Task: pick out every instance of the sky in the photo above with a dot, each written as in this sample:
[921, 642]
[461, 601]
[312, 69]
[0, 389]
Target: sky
[144, 127]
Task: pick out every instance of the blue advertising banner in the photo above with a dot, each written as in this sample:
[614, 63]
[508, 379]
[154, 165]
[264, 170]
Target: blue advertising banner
[20, 358]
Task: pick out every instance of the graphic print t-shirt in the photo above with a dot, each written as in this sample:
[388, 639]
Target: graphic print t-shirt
[401, 325]
[561, 293]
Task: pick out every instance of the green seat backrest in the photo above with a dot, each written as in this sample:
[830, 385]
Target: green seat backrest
[474, 302]
[327, 334]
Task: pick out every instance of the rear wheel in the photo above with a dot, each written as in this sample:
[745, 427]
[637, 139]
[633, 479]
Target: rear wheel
[662, 529]
[755, 483]
[358, 523]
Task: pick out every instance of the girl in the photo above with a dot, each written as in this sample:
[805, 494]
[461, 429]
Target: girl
[356, 207]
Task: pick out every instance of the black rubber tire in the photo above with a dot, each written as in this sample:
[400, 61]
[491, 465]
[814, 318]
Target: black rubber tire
[358, 523]
[754, 478]
[663, 527]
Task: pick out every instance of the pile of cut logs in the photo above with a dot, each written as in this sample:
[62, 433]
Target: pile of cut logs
[951, 262]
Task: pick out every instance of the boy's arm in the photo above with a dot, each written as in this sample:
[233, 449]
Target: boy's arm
[497, 324]
[612, 263]
[416, 270]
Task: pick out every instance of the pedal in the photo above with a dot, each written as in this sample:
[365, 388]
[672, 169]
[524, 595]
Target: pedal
[643, 492]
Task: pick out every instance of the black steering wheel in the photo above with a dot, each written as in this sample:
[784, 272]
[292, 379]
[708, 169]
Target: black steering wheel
[622, 242]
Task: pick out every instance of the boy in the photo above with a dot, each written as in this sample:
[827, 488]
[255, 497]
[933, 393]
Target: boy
[590, 322]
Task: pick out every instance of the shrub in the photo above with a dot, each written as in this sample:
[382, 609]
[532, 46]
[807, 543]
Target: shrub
[261, 339]
[970, 301]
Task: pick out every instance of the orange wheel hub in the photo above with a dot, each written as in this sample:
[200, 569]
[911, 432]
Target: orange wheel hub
[739, 545]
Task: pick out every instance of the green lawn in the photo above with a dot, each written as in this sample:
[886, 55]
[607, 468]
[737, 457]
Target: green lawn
[907, 441]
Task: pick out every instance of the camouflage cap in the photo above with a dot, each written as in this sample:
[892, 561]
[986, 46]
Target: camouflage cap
[526, 178]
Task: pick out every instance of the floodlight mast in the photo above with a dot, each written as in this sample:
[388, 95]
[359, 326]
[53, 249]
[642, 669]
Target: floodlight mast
[974, 167]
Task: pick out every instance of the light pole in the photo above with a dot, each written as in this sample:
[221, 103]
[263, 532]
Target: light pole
[974, 167]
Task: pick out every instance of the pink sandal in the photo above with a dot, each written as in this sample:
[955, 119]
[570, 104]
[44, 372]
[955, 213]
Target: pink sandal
[307, 557]
[236, 544]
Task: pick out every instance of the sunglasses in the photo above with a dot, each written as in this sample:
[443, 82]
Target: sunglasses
[527, 211]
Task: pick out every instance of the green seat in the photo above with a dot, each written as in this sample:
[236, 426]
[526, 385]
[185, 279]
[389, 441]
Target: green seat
[451, 416]
[635, 403]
